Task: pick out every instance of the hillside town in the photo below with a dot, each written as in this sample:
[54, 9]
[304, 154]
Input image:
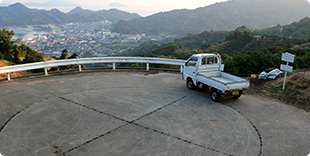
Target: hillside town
[93, 39]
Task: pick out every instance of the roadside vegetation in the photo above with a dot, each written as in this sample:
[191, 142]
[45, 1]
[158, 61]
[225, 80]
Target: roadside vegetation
[297, 89]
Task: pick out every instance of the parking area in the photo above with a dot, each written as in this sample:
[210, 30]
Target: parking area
[141, 113]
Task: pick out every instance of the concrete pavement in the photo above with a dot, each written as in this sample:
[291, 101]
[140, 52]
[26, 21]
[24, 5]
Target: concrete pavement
[140, 113]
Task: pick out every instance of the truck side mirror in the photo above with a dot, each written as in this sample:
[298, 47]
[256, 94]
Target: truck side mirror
[186, 63]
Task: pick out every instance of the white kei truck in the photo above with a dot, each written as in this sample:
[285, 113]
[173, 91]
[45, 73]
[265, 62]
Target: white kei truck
[206, 71]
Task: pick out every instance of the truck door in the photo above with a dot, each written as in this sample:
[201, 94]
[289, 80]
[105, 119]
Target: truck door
[190, 68]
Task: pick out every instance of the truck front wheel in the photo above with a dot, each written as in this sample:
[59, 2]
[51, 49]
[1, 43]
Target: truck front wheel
[215, 95]
[190, 84]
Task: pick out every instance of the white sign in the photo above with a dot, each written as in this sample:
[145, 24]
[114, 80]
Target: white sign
[288, 57]
[286, 68]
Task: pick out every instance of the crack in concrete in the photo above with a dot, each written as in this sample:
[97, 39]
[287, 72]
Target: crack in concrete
[12, 118]
[93, 109]
[160, 108]
[96, 138]
[257, 131]
[184, 140]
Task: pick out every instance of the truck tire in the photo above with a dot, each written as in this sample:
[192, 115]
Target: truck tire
[236, 96]
[215, 95]
[190, 84]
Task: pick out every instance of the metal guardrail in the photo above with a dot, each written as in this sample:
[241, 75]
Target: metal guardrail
[79, 61]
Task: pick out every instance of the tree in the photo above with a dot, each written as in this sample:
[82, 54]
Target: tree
[33, 56]
[6, 45]
[16, 54]
[73, 56]
[64, 54]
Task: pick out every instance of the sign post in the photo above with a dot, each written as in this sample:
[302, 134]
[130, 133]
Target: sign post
[288, 58]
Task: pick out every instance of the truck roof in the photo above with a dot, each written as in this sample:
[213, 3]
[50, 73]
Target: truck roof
[205, 54]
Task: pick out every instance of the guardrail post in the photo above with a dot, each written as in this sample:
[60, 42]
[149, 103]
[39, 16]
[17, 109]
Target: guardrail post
[181, 69]
[147, 66]
[8, 76]
[45, 71]
[80, 68]
[113, 65]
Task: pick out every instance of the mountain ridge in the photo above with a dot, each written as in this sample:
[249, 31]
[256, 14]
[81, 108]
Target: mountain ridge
[219, 16]
[18, 14]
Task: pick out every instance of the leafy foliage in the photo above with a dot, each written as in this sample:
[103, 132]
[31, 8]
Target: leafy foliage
[242, 40]
[64, 55]
[202, 40]
[6, 45]
[33, 56]
[11, 52]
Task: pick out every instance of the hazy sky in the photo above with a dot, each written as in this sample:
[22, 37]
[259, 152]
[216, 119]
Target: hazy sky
[142, 7]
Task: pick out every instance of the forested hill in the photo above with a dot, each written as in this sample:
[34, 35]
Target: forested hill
[239, 41]
[220, 16]
[281, 35]
[296, 30]
[19, 15]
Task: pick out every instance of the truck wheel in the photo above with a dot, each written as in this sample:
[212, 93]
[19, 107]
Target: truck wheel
[215, 95]
[236, 96]
[190, 84]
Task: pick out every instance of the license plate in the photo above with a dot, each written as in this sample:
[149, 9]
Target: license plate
[235, 92]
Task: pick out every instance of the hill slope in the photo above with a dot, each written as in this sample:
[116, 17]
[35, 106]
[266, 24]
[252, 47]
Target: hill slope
[19, 15]
[220, 16]
[299, 30]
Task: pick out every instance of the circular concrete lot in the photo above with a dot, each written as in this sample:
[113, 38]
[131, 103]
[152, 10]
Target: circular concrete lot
[130, 113]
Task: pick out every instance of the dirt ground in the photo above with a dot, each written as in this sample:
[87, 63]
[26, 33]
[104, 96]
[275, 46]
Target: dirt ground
[297, 89]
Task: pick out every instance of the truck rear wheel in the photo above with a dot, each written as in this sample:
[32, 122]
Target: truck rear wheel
[215, 95]
[236, 96]
[190, 84]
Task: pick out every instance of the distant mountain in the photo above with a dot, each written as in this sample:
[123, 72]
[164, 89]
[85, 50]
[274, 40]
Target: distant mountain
[19, 15]
[76, 10]
[220, 16]
[113, 15]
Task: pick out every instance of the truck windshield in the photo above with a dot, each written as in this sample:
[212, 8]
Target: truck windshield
[192, 61]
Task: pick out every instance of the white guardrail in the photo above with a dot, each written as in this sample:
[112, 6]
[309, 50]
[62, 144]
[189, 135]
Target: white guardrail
[79, 61]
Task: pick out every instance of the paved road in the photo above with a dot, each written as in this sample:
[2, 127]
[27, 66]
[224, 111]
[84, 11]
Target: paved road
[130, 113]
